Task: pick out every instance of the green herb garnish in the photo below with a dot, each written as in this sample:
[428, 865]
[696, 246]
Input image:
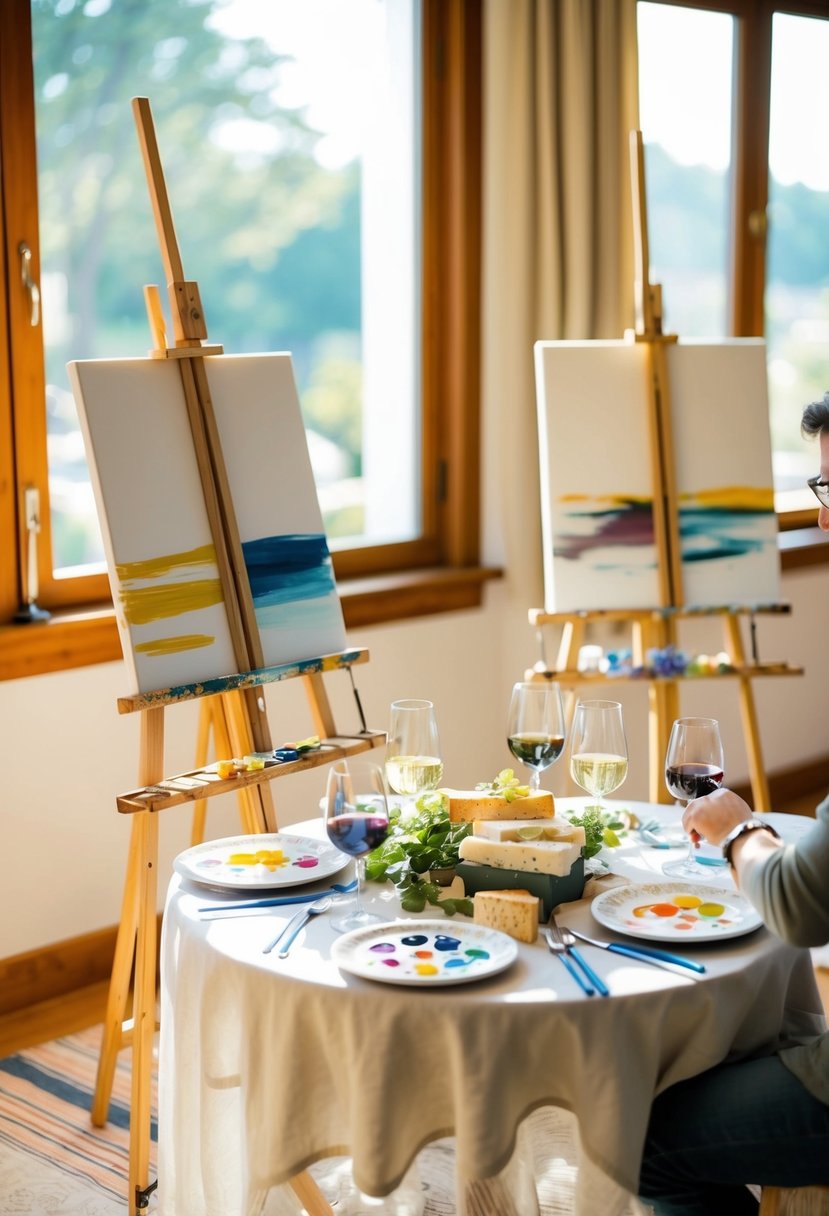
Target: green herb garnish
[420, 840]
[506, 784]
[600, 828]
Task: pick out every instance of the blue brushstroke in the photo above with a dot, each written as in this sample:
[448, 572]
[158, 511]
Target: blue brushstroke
[284, 569]
[711, 534]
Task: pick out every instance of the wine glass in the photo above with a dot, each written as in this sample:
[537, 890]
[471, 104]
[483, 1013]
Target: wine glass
[693, 766]
[357, 821]
[535, 727]
[598, 749]
[413, 763]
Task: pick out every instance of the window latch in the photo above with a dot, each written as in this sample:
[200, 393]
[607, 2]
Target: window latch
[29, 283]
[29, 610]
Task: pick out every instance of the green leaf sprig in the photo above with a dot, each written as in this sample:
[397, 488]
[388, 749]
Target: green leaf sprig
[600, 828]
[420, 840]
[506, 784]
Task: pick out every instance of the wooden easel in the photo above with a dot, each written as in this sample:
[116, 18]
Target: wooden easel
[241, 718]
[656, 628]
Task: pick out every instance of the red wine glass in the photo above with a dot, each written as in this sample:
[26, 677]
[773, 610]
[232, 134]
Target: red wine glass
[693, 766]
[357, 821]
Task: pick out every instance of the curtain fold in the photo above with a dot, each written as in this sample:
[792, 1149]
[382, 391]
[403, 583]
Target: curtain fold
[560, 100]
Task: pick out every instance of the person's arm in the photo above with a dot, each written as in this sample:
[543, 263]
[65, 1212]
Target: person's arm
[786, 883]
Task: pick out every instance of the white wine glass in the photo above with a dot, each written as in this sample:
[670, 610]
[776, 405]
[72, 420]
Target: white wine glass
[535, 727]
[694, 766]
[357, 821]
[413, 760]
[598, 748]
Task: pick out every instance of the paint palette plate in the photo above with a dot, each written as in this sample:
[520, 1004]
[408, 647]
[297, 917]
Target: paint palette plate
[424, 953]
[676, 912]
[259, 862]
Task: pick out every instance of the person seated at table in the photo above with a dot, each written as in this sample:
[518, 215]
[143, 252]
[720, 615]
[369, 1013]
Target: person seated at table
[762, 1121]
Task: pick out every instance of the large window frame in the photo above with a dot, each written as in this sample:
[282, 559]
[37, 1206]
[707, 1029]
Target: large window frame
[750, 184]
[436, 571]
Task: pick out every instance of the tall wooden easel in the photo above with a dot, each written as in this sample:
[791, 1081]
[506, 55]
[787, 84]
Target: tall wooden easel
[243, 716]
[656, 628]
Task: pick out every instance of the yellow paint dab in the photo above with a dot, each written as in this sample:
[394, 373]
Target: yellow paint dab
[711, 910]
[426, 969]
[687, 901]
[270, 858]
[154, 567]
[184, 641]
[146, 604]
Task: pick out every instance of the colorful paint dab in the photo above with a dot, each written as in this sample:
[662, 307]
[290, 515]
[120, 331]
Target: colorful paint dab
[683, 912]
[425, 955]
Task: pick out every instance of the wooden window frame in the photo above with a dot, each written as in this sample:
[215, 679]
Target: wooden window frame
[750, 186]
[439, 570]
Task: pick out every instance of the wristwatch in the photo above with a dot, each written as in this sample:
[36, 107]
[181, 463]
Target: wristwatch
[747, 825]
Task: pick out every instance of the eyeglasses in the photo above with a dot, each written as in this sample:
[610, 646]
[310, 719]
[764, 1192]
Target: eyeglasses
[820, 489]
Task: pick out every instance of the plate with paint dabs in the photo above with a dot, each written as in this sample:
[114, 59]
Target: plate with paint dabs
[424, 953]
[260, 862]
[671, 912]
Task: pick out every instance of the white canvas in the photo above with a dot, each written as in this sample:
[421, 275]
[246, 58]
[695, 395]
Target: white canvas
[160, 555]
[597, 482]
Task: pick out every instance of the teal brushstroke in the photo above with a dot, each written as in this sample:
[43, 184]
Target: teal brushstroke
[289, 568]
[317, 614]
[715, 534]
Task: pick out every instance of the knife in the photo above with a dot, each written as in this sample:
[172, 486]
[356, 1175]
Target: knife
[643, 954]
[278, 901]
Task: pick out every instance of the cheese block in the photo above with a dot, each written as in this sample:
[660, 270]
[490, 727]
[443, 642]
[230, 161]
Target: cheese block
[513, 912]
[557, 828]
[536, 856]
[550, 889]
[475, 804]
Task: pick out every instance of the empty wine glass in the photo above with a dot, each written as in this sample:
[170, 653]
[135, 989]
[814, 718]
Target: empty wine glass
[535, 727]
[598, 749]
[357, 821]
[413, 763]
[694, 766]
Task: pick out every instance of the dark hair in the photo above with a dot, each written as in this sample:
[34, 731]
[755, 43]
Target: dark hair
[815, 418]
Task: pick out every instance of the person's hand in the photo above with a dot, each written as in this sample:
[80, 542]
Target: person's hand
[714, 815]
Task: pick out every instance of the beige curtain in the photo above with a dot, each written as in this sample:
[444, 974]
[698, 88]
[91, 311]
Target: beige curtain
[560, 100]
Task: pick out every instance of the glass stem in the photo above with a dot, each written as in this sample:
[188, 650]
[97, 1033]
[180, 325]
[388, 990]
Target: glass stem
[535, 780]
[360, 871]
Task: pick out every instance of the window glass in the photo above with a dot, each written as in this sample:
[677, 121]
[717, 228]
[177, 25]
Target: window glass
[292, 168]
[797, 259]
[685, 121]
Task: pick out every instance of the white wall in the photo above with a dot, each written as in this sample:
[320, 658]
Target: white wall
[66, 751]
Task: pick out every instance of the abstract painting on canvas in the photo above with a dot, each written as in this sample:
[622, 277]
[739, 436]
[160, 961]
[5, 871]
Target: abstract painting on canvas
[160, 555]
[598, 477]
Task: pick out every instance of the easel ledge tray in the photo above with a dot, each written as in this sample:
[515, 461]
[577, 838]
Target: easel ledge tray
[206, 782]
[241, 680]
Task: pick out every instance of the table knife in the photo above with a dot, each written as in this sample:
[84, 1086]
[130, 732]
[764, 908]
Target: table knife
[278, 901]
[643, 954]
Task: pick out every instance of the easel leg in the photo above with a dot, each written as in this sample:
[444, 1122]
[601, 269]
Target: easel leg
[260, 811]
[663, 700]
[206, 720]
[151, 770]
[119, 986]
[748, 712]
[310, 1196]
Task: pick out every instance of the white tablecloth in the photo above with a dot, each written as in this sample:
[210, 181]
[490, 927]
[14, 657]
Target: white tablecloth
[268, 1065]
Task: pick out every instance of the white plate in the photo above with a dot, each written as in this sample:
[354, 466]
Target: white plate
[688, 912]
[427, 953]
[259, 862]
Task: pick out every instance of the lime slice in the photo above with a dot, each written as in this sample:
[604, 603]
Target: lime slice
[531, 832]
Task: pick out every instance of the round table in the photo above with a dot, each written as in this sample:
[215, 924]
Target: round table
[267, 1065]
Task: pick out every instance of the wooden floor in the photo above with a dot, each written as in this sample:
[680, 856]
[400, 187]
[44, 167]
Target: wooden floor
[86, 1007]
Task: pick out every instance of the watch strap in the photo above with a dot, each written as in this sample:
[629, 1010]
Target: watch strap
[753, 824]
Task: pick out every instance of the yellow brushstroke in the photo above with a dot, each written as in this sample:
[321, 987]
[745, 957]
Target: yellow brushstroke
[733, 498]
[152, 567]
[612, 499]
[185, 641]
[145, 604]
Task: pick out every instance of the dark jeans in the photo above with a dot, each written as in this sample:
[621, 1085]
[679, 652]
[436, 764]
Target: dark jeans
[751, 1122]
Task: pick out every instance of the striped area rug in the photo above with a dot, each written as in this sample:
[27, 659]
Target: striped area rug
[53, 1162]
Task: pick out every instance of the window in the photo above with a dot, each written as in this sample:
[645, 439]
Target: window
[314, 196]
[737, 166]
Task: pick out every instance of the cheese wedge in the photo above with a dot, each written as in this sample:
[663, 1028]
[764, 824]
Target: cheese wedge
[529, 830]
[513, 912]
[536, 857]
[474, 804]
